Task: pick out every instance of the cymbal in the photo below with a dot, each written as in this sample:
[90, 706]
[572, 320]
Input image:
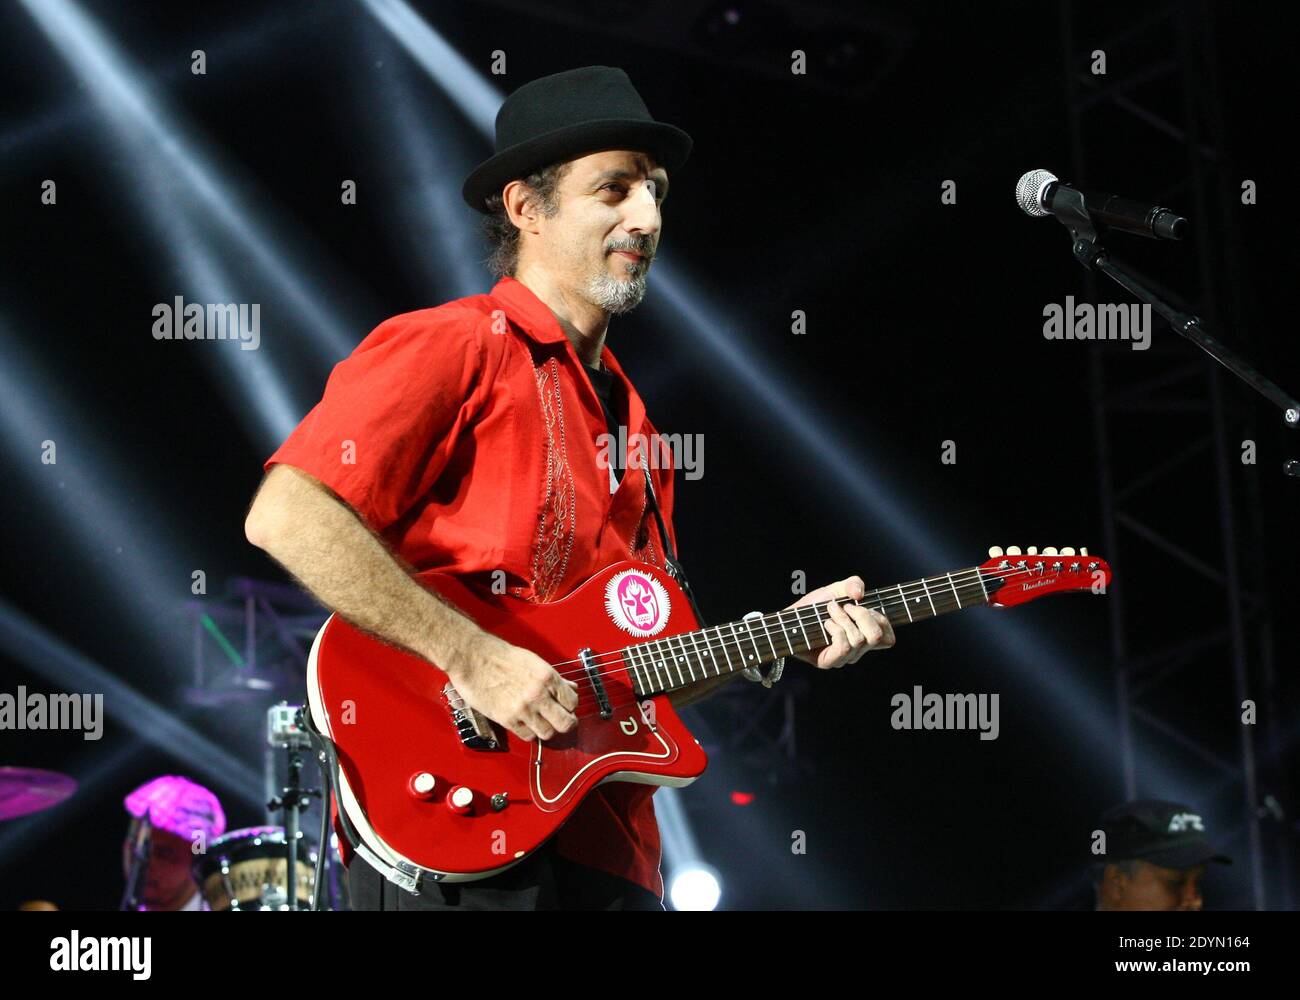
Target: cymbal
[26, 790]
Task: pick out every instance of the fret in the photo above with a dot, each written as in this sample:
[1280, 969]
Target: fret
[903, 598]
[736, 642]
[928, 597]
[681, 679]
[768, 632]
[738, 646]
[749, 630]
[719, 643]
[693, 659]
[657, 664]
[787, 633]
[691, 654]
[723, 642]
[665, 650]
[980, 577]
[685, 657]
[798, 616]
[647, 666]
[638, 685]
[701, 652]
[954, 590]
[822, 623]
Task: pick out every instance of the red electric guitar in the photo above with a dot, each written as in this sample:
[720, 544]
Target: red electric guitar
[436, 790]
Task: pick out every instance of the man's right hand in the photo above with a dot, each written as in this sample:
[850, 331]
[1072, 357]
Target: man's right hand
[349, 569]
[516, 688]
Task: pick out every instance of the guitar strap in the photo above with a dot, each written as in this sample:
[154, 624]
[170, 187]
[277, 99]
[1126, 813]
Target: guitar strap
[675, 569]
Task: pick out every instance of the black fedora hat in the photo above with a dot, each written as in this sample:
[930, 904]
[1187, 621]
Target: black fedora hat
[567, 115]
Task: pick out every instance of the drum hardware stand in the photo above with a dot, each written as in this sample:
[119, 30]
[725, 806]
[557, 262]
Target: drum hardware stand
[284, 723]
[139, 865]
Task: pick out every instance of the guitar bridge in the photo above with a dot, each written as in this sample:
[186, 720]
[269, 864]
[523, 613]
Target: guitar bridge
[597, 685]
[474, 728]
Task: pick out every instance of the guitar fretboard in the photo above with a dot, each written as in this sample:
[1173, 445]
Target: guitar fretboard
[668, 664]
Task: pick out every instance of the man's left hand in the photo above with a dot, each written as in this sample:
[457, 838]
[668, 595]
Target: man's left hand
[853, 630]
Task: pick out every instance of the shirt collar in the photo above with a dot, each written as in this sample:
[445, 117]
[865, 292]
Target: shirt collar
[528, 312]
[535, 319]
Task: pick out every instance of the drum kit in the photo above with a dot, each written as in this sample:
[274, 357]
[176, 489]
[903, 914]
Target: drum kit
[245, 869]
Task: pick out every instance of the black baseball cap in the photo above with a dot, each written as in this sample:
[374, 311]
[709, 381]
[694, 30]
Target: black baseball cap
[1168, 834]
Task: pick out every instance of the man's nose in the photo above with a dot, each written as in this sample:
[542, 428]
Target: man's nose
[642, 212]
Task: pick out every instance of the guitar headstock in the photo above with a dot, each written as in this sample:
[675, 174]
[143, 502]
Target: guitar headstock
[1014, 577]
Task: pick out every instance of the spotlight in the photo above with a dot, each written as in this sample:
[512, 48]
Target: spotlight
[695, 888]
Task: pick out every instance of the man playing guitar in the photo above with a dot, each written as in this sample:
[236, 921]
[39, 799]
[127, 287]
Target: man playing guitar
[464, 438]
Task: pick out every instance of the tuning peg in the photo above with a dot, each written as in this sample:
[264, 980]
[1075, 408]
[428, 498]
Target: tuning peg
[1013, 550]
[1067, 551]
[1083, 551]
[995, 551]
[1032, 550]
[1050, 550]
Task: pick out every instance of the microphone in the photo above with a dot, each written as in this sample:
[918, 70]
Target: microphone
[1036, 194]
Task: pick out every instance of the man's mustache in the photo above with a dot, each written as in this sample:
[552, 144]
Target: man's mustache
[644, 250]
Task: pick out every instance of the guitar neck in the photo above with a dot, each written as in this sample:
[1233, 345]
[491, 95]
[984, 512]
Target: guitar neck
[663, 665]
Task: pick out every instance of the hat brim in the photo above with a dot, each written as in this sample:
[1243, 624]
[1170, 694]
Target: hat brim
[669, 145]
[1186, 856]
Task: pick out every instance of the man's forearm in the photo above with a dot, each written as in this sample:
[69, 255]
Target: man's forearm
[332, 553]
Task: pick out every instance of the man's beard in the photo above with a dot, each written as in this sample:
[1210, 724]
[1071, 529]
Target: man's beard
[617, 296]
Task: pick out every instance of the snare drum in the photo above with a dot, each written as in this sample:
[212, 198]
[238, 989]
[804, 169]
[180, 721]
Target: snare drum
[245, 870]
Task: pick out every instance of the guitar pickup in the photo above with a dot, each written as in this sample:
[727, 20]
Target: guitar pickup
[597, 685]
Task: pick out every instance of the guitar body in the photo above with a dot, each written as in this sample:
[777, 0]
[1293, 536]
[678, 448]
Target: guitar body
[495, 798]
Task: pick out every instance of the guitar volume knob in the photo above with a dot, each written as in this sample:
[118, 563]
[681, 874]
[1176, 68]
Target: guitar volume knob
[460, 800]
[422, 785]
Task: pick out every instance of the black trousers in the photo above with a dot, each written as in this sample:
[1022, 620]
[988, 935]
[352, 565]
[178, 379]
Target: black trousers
[542, 881]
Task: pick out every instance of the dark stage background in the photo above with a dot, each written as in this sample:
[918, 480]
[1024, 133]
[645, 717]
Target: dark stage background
[818, 193]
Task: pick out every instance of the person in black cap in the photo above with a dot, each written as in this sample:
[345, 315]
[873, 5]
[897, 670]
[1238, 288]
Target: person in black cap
[1155, 854]
[473, 431]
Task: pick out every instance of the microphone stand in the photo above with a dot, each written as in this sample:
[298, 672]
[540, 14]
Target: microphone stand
[139, 863]
[1070, 209]
[285, 725]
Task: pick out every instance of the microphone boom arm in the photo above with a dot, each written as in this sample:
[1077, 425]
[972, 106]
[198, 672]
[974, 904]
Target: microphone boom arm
[1072, 212]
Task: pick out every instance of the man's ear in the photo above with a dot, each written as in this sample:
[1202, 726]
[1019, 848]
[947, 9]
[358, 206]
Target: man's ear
[521, 206]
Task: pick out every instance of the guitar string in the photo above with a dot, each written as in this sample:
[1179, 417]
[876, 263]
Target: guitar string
[619, 701]
[893, 598]
[619, 662]
[897, 596]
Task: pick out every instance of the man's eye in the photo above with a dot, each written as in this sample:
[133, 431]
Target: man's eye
[613, 185]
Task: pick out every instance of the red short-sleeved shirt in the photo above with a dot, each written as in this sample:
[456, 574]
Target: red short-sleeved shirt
[467, 436]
